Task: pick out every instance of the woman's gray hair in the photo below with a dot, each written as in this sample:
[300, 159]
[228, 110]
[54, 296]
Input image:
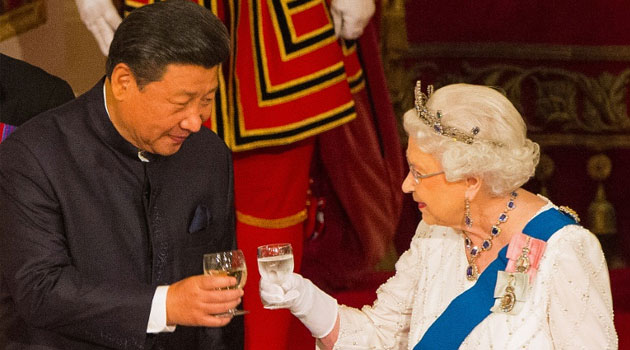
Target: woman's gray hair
[501, 154]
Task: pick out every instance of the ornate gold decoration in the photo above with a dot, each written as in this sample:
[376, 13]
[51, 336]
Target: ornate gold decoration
[564, 101]
[601, 213]
[599, 167]
[508, 300]
[394, 47]
[562, 107]
[523, 263]
[21, 18]
[572, 213]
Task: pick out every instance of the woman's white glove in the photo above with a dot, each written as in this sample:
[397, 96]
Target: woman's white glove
[316, 309]
[101, 18]
[351, 16]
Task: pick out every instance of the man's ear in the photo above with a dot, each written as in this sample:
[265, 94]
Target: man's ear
[123, 82]
[473, 186]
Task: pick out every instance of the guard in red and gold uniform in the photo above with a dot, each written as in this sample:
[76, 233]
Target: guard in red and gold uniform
[294, 105]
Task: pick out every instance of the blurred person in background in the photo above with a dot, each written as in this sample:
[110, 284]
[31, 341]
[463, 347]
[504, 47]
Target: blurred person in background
[26, 91]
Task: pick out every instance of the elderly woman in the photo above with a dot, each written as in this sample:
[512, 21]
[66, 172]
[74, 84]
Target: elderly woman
[491, 266]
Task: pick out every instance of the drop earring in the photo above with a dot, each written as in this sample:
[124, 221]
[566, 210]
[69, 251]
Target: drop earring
[467, 218]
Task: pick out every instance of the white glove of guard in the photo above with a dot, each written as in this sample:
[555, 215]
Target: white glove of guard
[101, 18]
[316, 309]
[351, 16]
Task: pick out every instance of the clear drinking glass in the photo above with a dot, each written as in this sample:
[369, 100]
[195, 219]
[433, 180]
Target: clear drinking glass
[275, 261]
[229, 263]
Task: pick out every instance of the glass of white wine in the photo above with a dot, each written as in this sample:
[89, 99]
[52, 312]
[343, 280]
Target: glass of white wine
[275, 261]
[229, 263]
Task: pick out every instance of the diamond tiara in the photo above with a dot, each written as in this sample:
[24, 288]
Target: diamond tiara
[434, 121]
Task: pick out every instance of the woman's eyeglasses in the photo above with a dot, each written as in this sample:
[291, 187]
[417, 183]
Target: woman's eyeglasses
[417, 177]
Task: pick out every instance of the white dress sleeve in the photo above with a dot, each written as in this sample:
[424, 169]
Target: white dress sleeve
[580, 304]
[385, 324]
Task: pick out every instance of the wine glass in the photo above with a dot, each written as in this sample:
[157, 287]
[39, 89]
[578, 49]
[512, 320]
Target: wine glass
[275, 261]
[229, 263]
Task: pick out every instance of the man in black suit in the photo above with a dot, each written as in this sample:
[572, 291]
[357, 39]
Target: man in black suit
[108, 203]
[26, 90]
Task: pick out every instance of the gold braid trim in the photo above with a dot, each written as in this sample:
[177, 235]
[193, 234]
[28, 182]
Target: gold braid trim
[572, 213]
[272, 223]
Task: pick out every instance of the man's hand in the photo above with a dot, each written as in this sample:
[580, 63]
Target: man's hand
[351, 16]
[101, 18]
[194, 300]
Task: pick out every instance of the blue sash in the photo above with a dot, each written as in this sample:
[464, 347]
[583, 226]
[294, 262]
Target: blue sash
[468, 309]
